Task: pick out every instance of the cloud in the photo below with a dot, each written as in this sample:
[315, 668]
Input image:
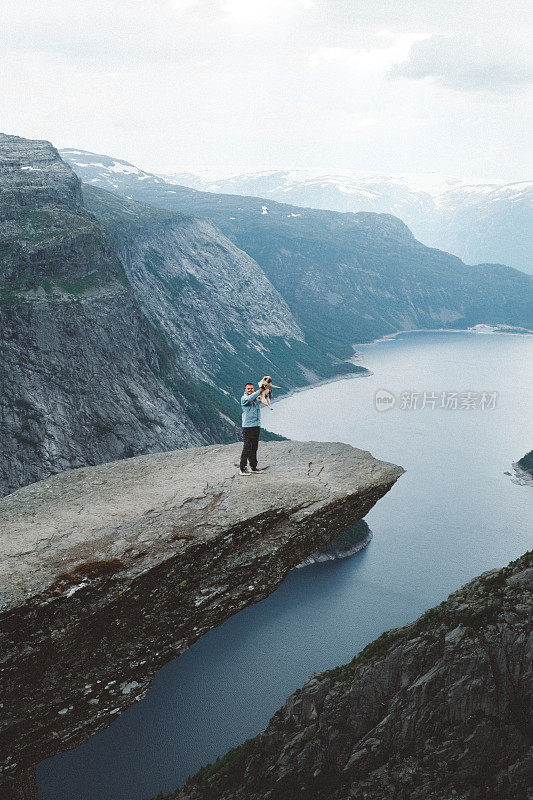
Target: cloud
[383, 51]
[260, 10]
[468, 63]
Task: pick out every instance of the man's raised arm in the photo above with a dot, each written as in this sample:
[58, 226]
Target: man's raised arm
[246, 399]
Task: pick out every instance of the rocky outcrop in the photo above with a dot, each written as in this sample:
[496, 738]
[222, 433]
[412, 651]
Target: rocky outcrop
[32, 175]
[109, 572]
[438, 709]
[523, 470]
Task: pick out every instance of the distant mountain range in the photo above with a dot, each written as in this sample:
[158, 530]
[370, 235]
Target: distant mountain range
[346, 277]
[477, 221]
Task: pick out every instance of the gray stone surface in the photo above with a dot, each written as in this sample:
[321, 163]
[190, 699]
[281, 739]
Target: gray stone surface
[109, 572]
[31, 172]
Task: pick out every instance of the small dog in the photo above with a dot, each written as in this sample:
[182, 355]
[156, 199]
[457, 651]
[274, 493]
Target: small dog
[266, 386]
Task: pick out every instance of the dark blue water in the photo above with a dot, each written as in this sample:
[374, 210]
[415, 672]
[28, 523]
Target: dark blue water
[451, 516]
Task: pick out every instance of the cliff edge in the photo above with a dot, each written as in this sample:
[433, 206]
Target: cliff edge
[109, 572]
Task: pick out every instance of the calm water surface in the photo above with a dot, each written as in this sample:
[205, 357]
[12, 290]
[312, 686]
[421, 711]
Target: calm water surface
[452, 515]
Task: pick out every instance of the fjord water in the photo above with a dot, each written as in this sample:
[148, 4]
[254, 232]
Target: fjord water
[451, 516]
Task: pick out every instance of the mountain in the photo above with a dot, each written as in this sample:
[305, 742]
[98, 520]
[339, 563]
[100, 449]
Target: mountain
[81, 372]
[125, 328]
[409, 197]
[476, 221]
[346, 277]
[487, 223]
[438, 709]
[209, 299]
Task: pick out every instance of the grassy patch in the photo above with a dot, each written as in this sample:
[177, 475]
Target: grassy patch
[80, 286]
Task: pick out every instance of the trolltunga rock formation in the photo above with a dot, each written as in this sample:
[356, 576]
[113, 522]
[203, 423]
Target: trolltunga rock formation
[109, 572]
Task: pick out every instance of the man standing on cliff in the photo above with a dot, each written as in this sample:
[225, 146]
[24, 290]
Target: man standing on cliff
[251, 425]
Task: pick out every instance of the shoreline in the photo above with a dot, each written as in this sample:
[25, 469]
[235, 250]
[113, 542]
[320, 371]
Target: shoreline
[340, 377]
[482, 329]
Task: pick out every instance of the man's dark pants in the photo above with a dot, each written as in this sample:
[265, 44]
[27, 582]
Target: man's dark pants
[249, 449]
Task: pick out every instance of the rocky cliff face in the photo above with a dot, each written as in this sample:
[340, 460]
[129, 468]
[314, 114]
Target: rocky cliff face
[109, 572]
[210, 299]
[438, 709]
[84, 376]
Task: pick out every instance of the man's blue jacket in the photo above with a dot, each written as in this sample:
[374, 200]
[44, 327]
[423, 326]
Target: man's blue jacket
[251, 410]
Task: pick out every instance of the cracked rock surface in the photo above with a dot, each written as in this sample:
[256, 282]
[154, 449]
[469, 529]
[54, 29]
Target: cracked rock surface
[109, 572]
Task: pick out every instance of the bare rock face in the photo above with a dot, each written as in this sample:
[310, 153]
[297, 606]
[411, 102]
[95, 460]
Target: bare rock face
[109, 572]
[84, 377]
[439, 709]
[210, 300]
[32, 173]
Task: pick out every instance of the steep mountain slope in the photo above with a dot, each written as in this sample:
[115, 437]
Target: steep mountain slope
[84, 376]
[211, 300]
[476, 221]
[487, 223]
[438, 709]
[346, 277]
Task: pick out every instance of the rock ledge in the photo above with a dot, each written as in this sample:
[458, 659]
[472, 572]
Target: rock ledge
[109, 572]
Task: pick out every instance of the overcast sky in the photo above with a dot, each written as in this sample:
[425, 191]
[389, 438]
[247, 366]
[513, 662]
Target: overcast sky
[387, 85]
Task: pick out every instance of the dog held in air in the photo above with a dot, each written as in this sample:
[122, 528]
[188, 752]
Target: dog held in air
[265, 386]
